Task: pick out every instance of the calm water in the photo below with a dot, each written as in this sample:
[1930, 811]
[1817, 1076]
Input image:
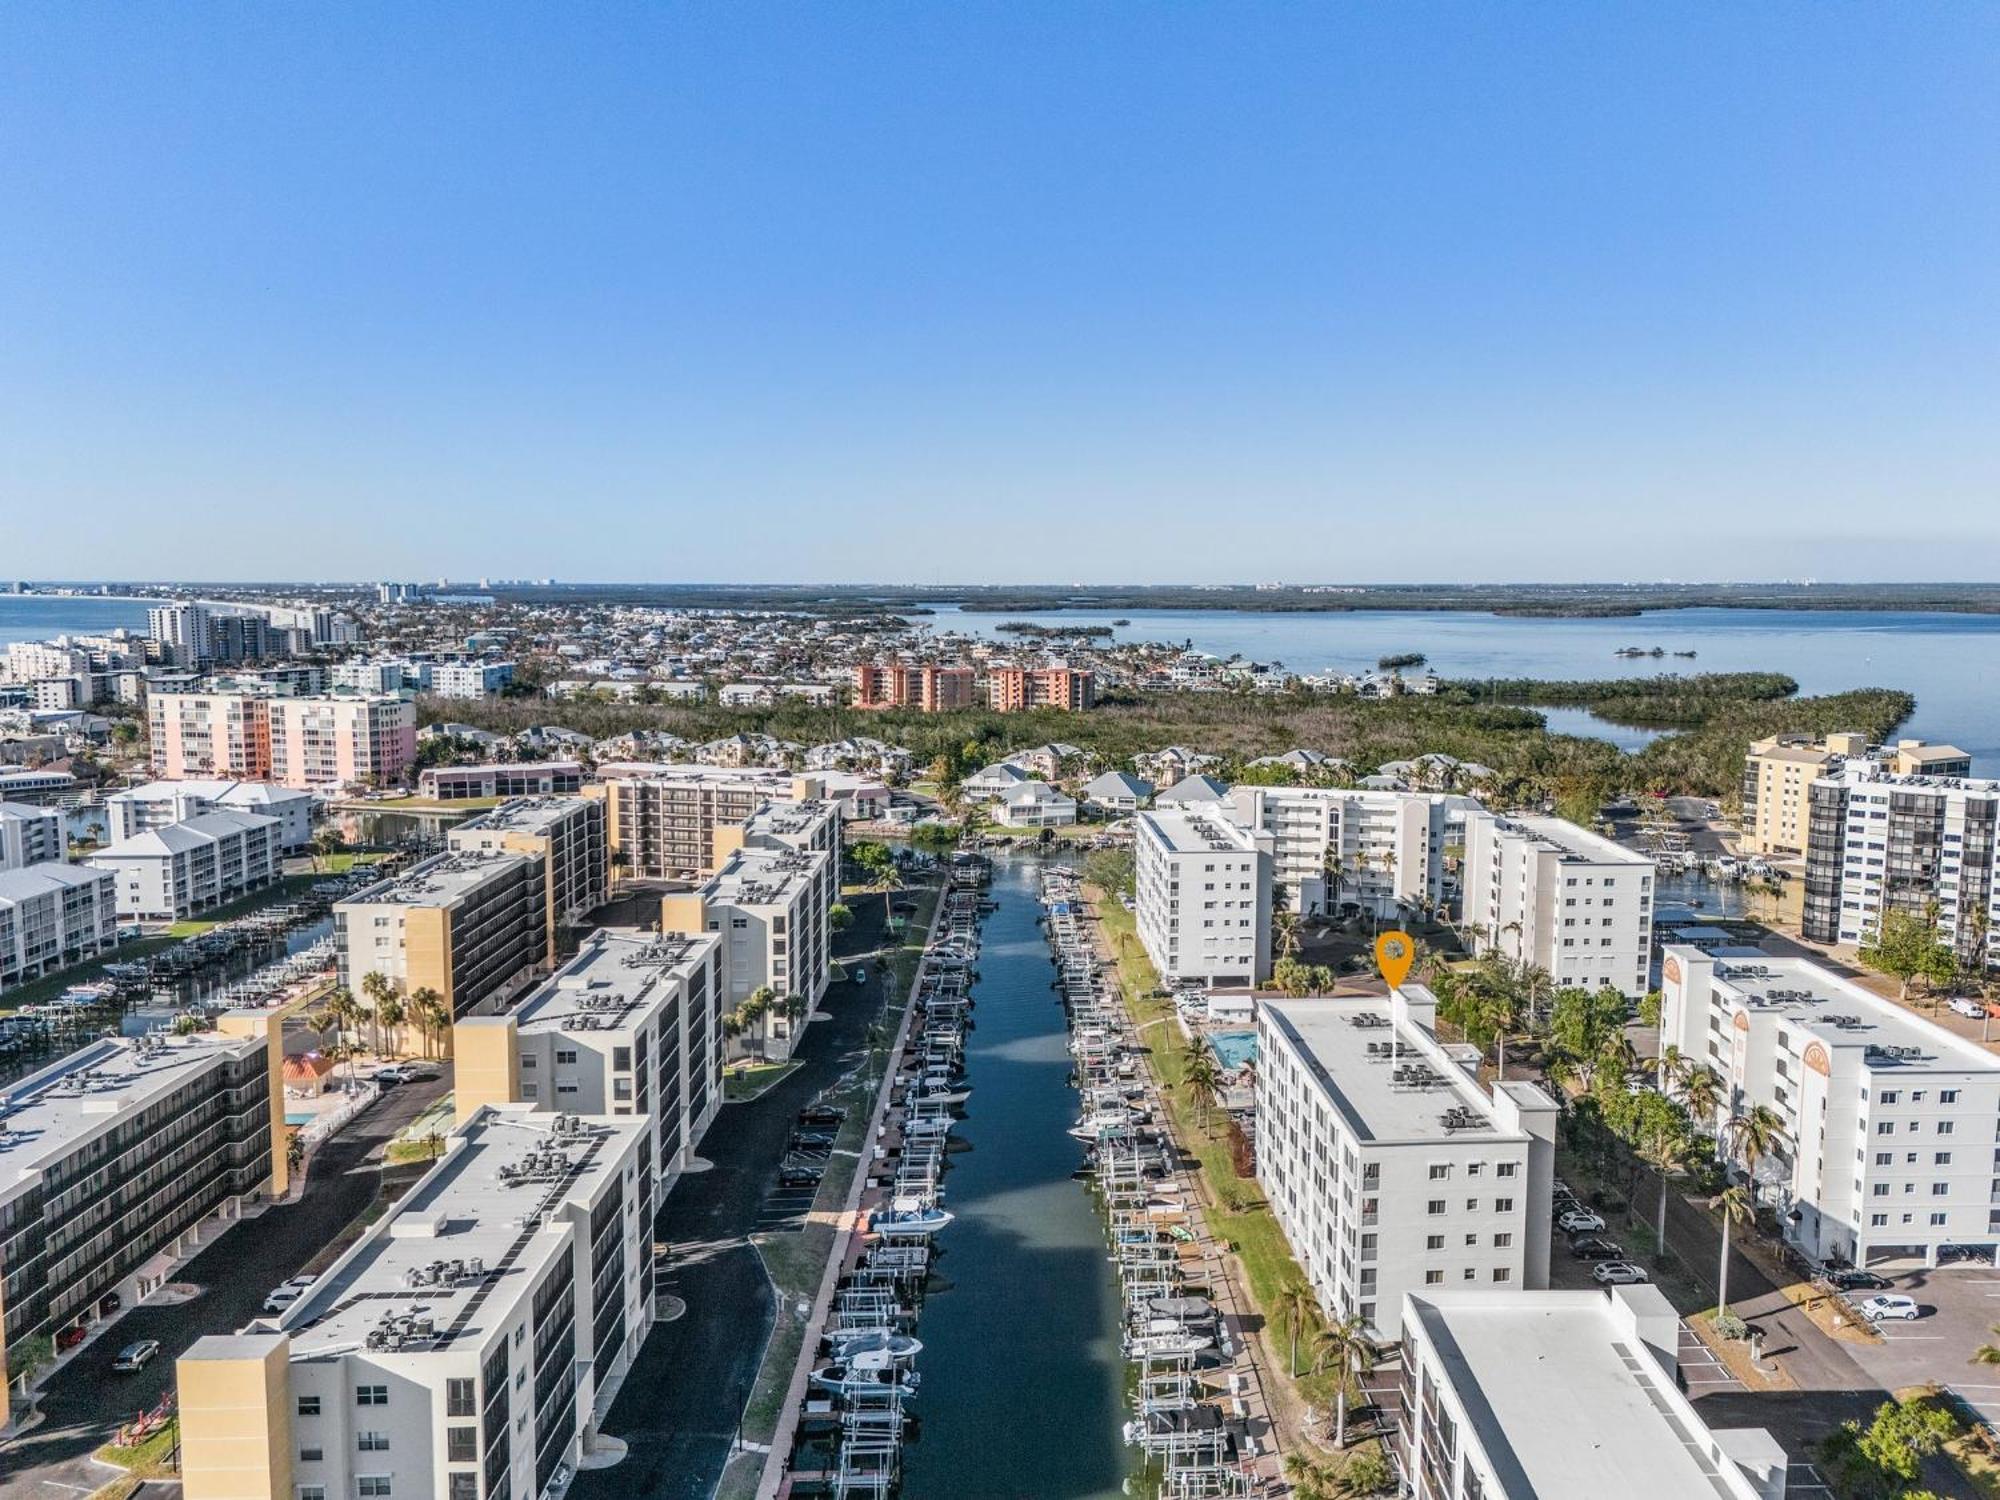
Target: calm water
[36, 617]
[1946, 660]
[1023, 1390]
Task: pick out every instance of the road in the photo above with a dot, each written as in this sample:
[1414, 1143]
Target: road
[680, 1404]
[84, 1401]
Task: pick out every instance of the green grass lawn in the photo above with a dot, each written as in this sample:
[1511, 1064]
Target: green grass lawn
[147, 1458]
[747, 1082]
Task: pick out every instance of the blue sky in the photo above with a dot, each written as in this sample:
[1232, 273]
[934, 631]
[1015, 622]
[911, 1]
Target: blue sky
[1000, 291]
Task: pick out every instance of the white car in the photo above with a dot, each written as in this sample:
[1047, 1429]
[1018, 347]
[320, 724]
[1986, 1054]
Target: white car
[281, 1299]
[1618, 1273]
[1972, 1010]
[1580, 1221]
[1889, 1305]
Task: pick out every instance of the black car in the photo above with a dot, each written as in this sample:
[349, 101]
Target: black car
[1597, 1248]
[799, 1174]
[812, 1140]
[1853, 1279]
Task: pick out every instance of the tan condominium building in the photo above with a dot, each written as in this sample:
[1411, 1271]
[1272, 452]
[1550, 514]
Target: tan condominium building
[464, 1349]
[111, 1159]
[630, 1026]
[471, 926]
[296, 741]
[1778, 774]
[661, 818]
[927, 688]
[566, 834]
[1011, 689]
[769, 909]
[801, 827]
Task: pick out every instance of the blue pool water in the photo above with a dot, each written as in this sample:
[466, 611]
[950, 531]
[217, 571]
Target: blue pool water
[1233, 1048]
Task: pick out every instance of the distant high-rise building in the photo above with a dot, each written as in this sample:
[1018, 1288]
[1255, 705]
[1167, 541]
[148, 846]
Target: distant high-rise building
[184, 632]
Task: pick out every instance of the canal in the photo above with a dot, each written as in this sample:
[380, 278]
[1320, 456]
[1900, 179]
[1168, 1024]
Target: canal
[1023, 1383]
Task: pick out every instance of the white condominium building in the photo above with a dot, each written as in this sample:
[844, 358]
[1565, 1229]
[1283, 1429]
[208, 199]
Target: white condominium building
[1380, 851]
[53, 914]
[471, 679]
[1889, 1119]
[170, 873]
[1203, 896]
[1549, 893]
[631, 1026]
[463, 1350]
[1878, 842]
[140, 809]
[1562, 1396]
[1389, 1168]
[770, 911]
[30, 835]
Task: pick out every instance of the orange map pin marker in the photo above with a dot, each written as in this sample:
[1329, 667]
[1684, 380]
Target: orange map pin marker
[1394, 953]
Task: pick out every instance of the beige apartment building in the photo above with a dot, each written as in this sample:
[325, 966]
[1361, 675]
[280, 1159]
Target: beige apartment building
[470, 924]
[297, 742]
[1778, 773]
[566, 834]
[661, 818]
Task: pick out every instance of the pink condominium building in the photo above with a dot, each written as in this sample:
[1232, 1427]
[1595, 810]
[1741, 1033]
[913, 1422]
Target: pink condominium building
[362, 740]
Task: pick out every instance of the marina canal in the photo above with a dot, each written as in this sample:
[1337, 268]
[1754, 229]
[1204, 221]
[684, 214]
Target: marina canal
[1024, 1387]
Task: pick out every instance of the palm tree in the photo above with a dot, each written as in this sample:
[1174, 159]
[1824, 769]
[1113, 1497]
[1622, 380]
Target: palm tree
[1674, 1068]
[1754, 1135]
[793, 1008]
[1343, 1344]
[1298, 1307]
[390, 1014]
[1204, 1080]
[345, 1013]
[428, 1009]
[1701, 1092]
[1663, 1149]
[1987, 1354]
[378, 989]
[1736, 1207]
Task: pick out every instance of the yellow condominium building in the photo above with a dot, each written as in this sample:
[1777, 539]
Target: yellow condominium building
[1777, 773]
[471, 925]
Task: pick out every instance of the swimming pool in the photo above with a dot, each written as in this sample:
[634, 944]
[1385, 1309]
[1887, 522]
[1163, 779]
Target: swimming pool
[1233, 1049]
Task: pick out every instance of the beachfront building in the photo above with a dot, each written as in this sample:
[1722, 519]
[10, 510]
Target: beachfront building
[30, 835]
[157, 804]
[110, 1160]
[1923, 845]
[1888, 1117]
[1013, 689]
[663, 817]
[52, 914]
[1203, 896]
[1551, 1395]
[769, 909]
[1388, 1165]
[299, 742]
[470, 925]
[630, 1026]
[1378, 852]
[1779, 773]
[566, 834]
[180, 870]
[546, 778]
[463, 1349]
[1543, 891]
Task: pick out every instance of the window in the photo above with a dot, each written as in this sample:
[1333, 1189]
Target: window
[1433, 1278]
[1502, 1240]
[1471, 1274]
[371, 1395]
[1937, 1220]
[372, 1486]
[312, 1492]
[308, 1406]
[1885, 1127]
[1472, 1205]
[1940, 1158]
[1503, 1205]
[464, 1487]
[1947, 1096]
[1439, 1172]
[1939, 1189]
[1436, 1206]
[373, 1442]
[1943, 1127]
[1506, 1168]
[1878, 1221]
[565, 1055]
[311, 1455]
[1434, 1242]
[1501, 1273]
[461, 1444]
[459, 1400]
[1889, 1096]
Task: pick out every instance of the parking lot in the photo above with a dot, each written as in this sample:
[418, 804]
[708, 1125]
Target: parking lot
[1960, 1304]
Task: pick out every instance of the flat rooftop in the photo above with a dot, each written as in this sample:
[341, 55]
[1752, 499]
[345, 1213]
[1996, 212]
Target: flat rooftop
[1572, 842]
[617, 974]
[441, 880]
[688, 774]
[1403, 1089]
[526, 814]
[763, 877]
[1843, 1014]
[1192, 831]
[788, 819]
[47, 1113]
[1568, 1403]
[464, 1210]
